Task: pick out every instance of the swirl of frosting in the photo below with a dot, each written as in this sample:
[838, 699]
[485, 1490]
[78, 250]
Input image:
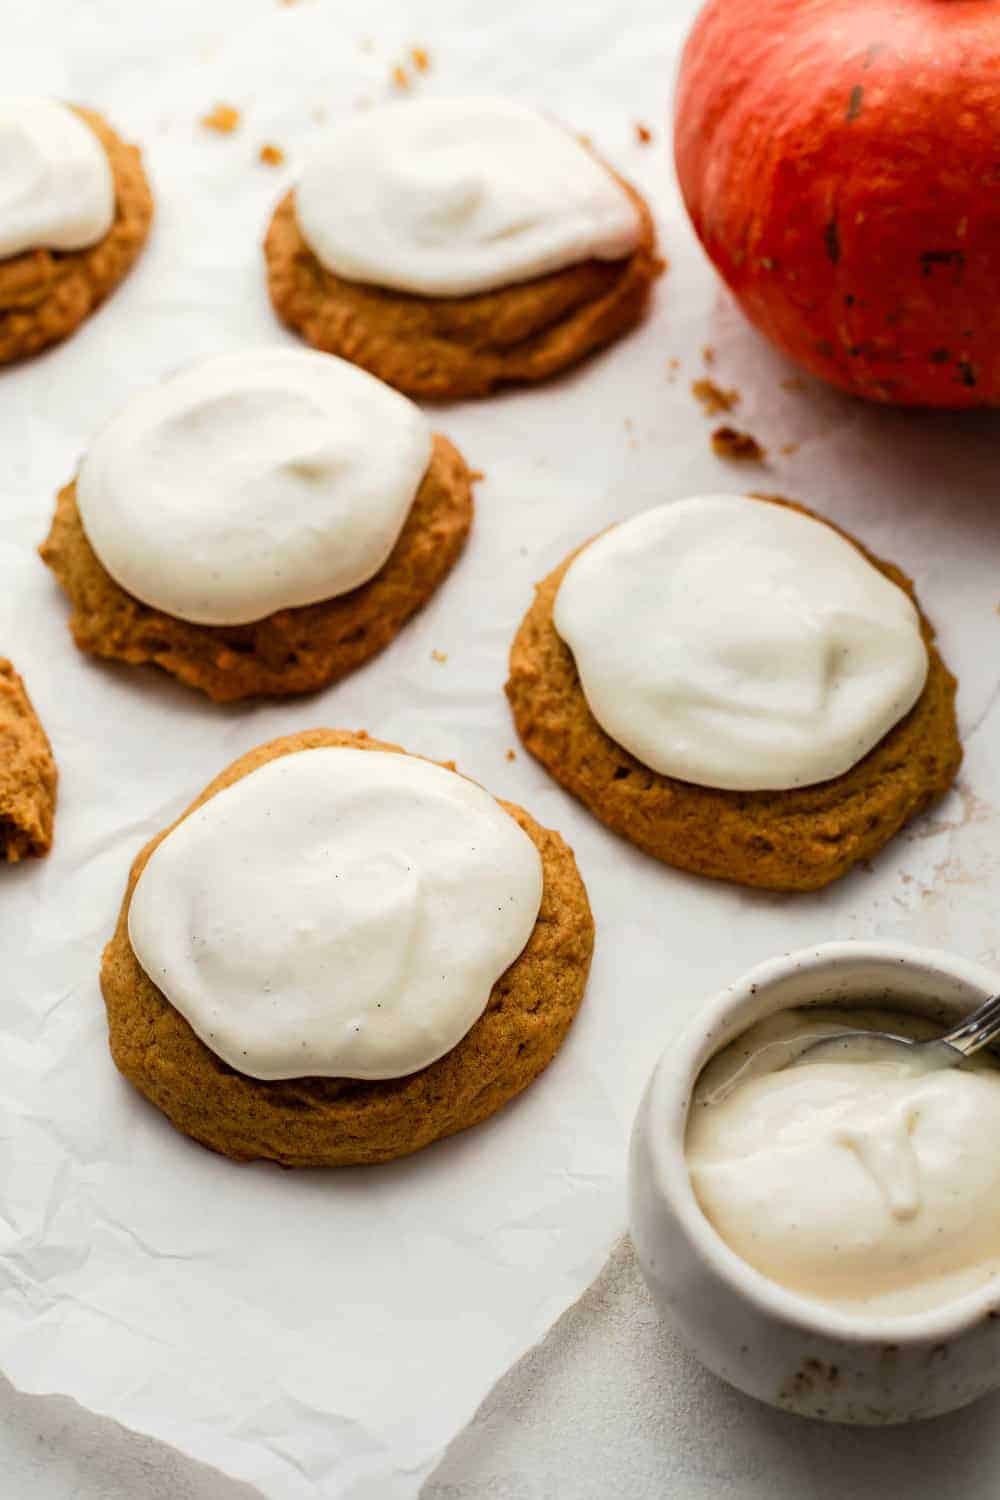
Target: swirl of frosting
[446, 197]
[56, 187]
[336, 913]
[252, 482]
[739, 644]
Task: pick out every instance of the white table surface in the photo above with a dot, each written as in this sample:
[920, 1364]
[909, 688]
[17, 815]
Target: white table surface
[608, 1404]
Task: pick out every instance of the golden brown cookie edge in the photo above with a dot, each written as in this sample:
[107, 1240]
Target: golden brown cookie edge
[28, 776]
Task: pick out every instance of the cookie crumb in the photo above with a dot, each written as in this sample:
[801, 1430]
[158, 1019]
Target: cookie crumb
[740, 447]
[712, 397]
[643, 134]
[223, 119]
[441, 656]
[793, 383]
[318, 114]
[475, 475]
[708, 354]
[512, 755]
[420, 58]
[788, 448]
[366, 44]
[673, 364]
[270, 155]
[400, 77]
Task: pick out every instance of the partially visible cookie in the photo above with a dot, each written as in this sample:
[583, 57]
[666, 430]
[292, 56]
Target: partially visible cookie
[27, 774]
[294, 650]
[46, 294]
[446, 348]
[335, 1121]
[787, 840]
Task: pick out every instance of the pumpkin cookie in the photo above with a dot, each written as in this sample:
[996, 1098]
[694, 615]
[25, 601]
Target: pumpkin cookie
[512, 252]
[45, 291]
[792, 838]
[27, 774]
[339, 1120]
[288, 649]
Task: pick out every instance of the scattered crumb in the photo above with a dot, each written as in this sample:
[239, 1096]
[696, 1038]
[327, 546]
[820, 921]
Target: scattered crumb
[287, 2]
[793, 383]
[420, 58]
[512, 755]
[708, 354]
[643, 134]
[440, 655]
[223, 118]
[586, 140]
[629, 424]
[400, 77]
[366, 44]
[740, 447]
[271, 156]
[788, 448]
[475, 475]
[673, 364]
[319, 114]
[713, 398]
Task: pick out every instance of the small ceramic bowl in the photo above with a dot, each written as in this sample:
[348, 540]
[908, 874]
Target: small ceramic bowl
[772, 1343]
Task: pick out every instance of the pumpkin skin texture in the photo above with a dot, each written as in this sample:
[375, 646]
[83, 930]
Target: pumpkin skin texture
[840, 160]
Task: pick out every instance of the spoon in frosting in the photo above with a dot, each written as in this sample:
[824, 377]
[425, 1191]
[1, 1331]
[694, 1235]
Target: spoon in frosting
[948, 1051]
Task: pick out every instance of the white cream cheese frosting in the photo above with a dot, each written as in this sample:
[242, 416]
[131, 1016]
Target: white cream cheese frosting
[56, 187]
[738, 644]
[447, 197]
[873, 1186]
[252, 482]
[337, 913]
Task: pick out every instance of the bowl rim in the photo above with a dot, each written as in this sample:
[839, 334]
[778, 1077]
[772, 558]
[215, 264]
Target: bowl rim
[664, 1116]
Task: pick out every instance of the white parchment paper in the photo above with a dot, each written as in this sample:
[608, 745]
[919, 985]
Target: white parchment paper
[327, 1334]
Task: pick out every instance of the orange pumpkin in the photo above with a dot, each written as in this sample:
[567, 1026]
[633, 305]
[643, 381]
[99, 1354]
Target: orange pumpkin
[840, 160]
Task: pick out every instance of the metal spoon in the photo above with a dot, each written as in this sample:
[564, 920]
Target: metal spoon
[971, 1035]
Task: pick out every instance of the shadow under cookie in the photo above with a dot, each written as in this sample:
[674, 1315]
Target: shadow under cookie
[443, 348]
[46, 294]
[303, 1122]
[796, 840]
[294, 650]
[27, 774]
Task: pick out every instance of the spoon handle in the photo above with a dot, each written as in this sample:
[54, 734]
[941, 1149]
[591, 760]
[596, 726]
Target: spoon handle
[977, 1030]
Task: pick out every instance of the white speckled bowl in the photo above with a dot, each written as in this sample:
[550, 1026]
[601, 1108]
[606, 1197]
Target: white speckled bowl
[772, 1343]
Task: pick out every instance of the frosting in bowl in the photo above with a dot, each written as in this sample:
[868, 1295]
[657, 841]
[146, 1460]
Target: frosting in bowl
[336, 913]
[871, 1185]
[56, 187]
[739, 644]
[447, 197]
[252, 482]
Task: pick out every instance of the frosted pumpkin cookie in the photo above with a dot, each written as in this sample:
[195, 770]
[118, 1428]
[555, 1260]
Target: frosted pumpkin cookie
[401, 956]
[75, 210]
[262, 523]
[451, 246]
[739, 688]
[27, 773]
